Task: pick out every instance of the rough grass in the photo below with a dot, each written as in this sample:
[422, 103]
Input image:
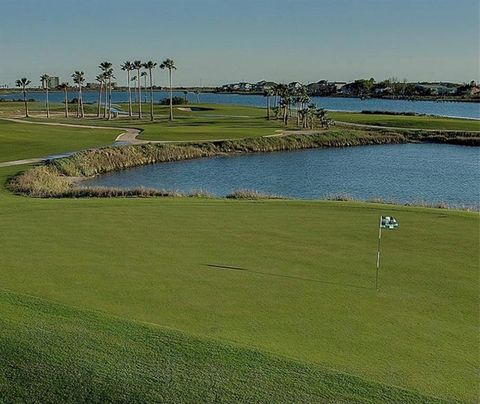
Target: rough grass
[54, 353]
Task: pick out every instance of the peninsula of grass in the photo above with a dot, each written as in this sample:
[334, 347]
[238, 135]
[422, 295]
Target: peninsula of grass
[407, 122]
[59, 178]
[55, 178]
[216, 121]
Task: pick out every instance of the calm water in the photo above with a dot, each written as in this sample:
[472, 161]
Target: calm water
[402, 173]
[453, 109]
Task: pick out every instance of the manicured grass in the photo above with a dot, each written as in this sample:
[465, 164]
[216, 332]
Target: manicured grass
[54, 353]
[20, 141]
[294, 278]
[408, 122]
[217, 122]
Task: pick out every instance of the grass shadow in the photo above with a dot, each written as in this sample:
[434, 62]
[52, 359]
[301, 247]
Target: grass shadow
[299, 278]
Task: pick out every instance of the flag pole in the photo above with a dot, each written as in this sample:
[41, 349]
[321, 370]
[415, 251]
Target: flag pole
[378, 251]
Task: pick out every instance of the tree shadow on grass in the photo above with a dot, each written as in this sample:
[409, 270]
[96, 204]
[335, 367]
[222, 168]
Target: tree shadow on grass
[299, 278]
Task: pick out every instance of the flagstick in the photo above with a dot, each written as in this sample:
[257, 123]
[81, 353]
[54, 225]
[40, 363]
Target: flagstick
[378, 251]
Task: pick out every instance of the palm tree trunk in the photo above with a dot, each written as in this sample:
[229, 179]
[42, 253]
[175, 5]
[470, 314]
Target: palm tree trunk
[110, 95]
[46, 102]
[151, 95]
[108, 99]
[25, 102]
[171, 94]
[298, 114]
[145, 89]
[105, 107]
[139, 85]
[99, 99]
[82, 111]
[78, 102]
[129, 95]
[66, 104]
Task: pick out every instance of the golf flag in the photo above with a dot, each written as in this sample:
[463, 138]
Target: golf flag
[388, 222]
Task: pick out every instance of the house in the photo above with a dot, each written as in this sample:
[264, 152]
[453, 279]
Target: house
[321, 88]
[263, 85]
[295, 85]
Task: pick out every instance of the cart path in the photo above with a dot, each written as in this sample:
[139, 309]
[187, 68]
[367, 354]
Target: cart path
[128, 135]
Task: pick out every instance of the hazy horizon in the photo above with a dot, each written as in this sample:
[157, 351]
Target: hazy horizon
[214, 42]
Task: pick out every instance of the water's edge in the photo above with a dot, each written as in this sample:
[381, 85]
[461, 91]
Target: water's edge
[64, 177]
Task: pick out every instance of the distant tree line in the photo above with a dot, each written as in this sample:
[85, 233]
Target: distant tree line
[391, 88]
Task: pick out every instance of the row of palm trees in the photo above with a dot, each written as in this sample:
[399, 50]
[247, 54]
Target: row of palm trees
[105, 88]
[285, 97]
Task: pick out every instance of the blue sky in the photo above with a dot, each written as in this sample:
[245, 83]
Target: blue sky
[217, 41]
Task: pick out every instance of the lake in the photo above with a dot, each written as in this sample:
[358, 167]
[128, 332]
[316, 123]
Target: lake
[412, 173]
[452, 109]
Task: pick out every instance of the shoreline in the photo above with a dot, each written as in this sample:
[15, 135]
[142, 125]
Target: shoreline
[475, 100]
[61, 178]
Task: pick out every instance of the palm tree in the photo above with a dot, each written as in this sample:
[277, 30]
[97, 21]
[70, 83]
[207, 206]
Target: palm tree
[64, 87]
[170, 65]
[101, 80]
[23, 83]
[128, 67]
[150, 66]
[45, 80]
[108, 74]
[79, 79]
[108, 78]
[137, 65]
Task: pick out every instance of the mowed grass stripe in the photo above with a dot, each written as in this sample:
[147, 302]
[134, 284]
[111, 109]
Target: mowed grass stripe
[54, 353]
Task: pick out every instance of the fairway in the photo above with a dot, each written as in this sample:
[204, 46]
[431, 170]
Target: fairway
[211, 122]
[407, 122]
[23, 140]
[291, 278]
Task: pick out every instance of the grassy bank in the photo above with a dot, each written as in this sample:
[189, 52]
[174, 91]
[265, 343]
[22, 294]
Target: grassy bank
[76, 357]
[294, 278]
